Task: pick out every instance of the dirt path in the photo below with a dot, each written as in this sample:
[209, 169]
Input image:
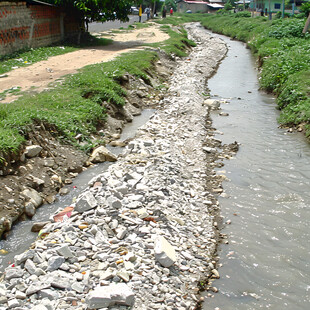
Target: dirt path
[38, 76]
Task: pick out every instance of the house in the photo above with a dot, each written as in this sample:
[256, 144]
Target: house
[198, 6]
[30, 23]
[274, 5]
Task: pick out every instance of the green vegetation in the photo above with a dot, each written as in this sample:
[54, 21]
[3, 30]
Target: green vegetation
[178, 43]
[76, 106]
[27, 57]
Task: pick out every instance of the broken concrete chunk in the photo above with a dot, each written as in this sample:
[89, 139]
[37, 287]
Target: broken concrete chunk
[85, 203]
[164, 252]
[11, 273]
[106, 296]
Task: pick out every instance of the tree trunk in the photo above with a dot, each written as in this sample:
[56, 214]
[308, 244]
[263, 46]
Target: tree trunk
[307, 24]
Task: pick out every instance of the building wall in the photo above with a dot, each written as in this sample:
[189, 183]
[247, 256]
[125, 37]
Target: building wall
[24, 26]
[194, 7]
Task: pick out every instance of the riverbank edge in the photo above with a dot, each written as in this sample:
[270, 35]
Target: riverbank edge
[290, 94]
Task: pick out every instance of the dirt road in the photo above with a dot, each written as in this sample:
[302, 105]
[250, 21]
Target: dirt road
[40, 76]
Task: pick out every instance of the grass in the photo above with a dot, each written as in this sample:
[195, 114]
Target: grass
[78, 105]
[27, 57]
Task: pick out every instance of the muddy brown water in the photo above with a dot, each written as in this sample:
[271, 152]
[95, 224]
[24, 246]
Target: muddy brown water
[21, 237]
[266, 264]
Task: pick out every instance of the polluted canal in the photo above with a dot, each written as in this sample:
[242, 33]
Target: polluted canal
[266, 263]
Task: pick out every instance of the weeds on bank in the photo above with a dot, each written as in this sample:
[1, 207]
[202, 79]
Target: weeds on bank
[27, 57]
[76, 106]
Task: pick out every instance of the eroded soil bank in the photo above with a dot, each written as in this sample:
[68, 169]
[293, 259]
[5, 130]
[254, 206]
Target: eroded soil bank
[143, 234]
[34, 178]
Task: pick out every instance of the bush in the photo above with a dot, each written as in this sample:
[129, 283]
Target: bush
[242, 14]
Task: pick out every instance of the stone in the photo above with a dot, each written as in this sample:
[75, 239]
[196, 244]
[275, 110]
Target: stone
[36, 287]
[19, 259]
[106, 296]
[101, 154]
[33, 196]
[36, 227]
[30, 209]
[55, 262]
[48, 293]
[20, 295]
[13, 303]
[78, 287]
[65, 251]
[33, 151]
[164, 252]
[39, 307]
[86, 202]
[113, 202]
[13, 272]
[30, 266]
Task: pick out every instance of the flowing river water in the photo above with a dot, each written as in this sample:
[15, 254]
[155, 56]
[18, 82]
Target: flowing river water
[266, 263]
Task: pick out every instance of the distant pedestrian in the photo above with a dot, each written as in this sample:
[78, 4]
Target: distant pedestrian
[171, 11]
[140, 13]
[148, 12]
[164, 12]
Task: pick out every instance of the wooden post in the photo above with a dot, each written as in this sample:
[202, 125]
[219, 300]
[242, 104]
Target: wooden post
[307, 24]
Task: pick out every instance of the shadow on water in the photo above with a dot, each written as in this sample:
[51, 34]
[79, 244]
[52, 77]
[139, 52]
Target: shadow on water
[266, 263]
[21, 237]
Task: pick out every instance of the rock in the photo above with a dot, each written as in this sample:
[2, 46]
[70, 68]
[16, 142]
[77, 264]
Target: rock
[216, 273]
[19, 259]
[209, 149]
[101, 154]
[30, 209]
[48, 293]
[78, 287]
[63, 191]
[39, 307]
[86, 202]
[33, 150]
[212, 103]
[34, 196]
[106, 296]
[15, 272]
[65, 251]
[36, 287]
[36, 227]
[30, 266]
[164, 252]
[114, 203]
[13, 303]
[55, 262]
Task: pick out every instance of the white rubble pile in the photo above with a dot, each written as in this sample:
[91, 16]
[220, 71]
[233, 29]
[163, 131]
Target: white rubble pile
[141, 235]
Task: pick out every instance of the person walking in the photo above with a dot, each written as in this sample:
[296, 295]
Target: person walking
[140, 13]
[148, 12]
[171, 11]
[164, 12]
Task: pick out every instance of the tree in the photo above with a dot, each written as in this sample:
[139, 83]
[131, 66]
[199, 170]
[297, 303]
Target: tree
[95, 10]
[171, 4]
